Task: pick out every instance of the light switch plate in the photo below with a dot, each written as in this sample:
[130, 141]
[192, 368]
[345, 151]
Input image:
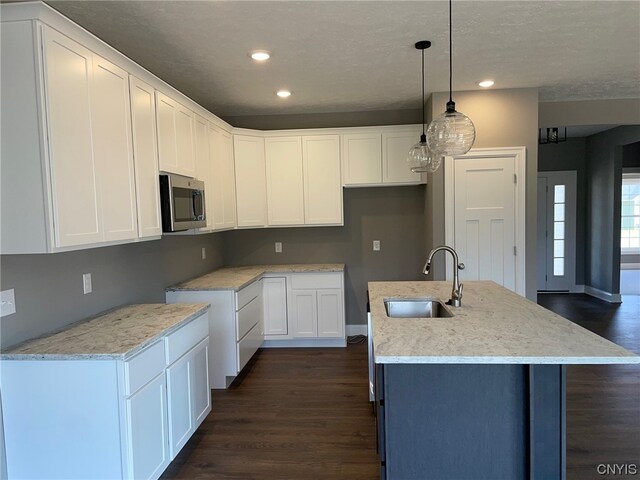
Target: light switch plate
[204, 253]
[86, 283]
[8, 298]
[278, 247]
[376, 245]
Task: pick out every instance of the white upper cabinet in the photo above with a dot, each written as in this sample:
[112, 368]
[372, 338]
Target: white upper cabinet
[285, 195]
[145, 156]
[395, 147]
[251, 195]
[362, 158]
[175, 136]
[113, 153]
[379, 158]
[204, 166]
[222, 194]
[322, 184]
[68, 73]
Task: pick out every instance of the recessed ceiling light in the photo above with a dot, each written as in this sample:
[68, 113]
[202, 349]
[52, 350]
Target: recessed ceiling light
[260, 55]
[486, 83]
[283, 93]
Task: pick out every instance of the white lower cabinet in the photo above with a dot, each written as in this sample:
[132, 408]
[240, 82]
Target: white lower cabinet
[106, 419]
[317, 305]
[147, 432]
[274, 296]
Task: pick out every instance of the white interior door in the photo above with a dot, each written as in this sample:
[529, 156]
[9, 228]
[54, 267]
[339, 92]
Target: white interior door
[485, 218]
[557, 230]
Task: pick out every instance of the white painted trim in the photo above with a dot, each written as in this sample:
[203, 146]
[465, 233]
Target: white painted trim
[305, 342]
[520, 157]
[356, 330]
[629, 266]
[602, 295]
[577, 289]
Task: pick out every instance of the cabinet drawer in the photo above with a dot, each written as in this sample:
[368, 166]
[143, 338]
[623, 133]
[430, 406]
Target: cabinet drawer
[249, 345]
[142, 368]
[247, 294]
[247, 317]
[316, 280]
[187, 337]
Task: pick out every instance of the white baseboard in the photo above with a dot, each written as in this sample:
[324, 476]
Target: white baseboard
[305, 342]
[577, 289]
[602, 295]
[356, 330]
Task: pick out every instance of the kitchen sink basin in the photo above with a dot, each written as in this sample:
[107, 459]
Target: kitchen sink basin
[416, 308]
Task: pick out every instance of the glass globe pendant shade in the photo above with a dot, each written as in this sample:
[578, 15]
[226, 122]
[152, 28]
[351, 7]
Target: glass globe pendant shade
[452, 133]
[421, 159]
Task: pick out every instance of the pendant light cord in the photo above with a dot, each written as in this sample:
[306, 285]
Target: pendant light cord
[450, 56]
[423, 92]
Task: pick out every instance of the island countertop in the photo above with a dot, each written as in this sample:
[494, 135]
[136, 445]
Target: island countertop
[493, 325]
[234, 278]
[114, 335]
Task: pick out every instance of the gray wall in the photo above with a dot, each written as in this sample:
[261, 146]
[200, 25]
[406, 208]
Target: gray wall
[48, 288]
[571, 155]
[503, 118]
[327, 120]
[590, 112]
[604, 164]
[393, 215]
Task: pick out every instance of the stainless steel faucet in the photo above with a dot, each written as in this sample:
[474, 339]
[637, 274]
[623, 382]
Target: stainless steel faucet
[456, 291]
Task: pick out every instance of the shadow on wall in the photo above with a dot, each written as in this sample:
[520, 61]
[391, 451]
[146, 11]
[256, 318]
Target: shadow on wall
[393, 215]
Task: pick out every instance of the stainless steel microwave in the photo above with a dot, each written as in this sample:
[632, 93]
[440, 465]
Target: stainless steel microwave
[182, 203]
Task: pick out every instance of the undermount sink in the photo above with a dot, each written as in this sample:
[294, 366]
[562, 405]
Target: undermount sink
[416, 308]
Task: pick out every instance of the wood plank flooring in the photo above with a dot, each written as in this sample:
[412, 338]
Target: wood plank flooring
[304, 413]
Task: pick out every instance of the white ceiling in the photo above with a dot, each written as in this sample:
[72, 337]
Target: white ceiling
[339, 56]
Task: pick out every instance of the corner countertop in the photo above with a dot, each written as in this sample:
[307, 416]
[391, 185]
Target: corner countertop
[493, 325]
[235, 278]
[114, 335]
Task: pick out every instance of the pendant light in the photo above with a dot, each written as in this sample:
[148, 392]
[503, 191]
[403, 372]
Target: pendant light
[452, 133]
[420, 158]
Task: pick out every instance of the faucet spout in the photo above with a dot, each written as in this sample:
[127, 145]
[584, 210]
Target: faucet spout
[456, 290]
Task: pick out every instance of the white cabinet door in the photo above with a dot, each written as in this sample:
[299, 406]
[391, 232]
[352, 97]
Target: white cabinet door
[362, 158]
[175, 136]
[274, 295]
[330, 313]
[68, 69]
[147, 433]
[145, 156]
[204, 167]
[200, 382]
[322, 180]
[251, 182]
[180, 404]
[223, 179]
[395, 147]
[113, 152]
[285, 196]
[304, 313]
[185, 125]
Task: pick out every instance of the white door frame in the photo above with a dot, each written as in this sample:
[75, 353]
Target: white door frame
[519, 154]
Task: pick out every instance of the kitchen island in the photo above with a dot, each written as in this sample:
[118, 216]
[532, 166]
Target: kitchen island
[480, 394]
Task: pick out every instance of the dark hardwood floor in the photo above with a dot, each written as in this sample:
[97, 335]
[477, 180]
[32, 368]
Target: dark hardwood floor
[603, 401]
[303, 413]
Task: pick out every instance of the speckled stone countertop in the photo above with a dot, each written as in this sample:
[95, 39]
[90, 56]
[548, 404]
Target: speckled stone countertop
[493, 325]
[234, 278]
[114, 335]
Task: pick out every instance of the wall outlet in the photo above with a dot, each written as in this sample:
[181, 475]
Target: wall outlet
[376, 245]
[8, 298]
[278, 247]
[204, 253]
[86, 283]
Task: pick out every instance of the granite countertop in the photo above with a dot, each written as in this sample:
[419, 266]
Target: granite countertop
[114, 335]
[234, 278]
[493, 325]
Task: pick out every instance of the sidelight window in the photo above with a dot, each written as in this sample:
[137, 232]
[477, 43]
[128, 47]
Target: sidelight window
[558, 230]
[630, 221]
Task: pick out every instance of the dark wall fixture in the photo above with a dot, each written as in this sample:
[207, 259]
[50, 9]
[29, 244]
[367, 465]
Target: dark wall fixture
[551, 135]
